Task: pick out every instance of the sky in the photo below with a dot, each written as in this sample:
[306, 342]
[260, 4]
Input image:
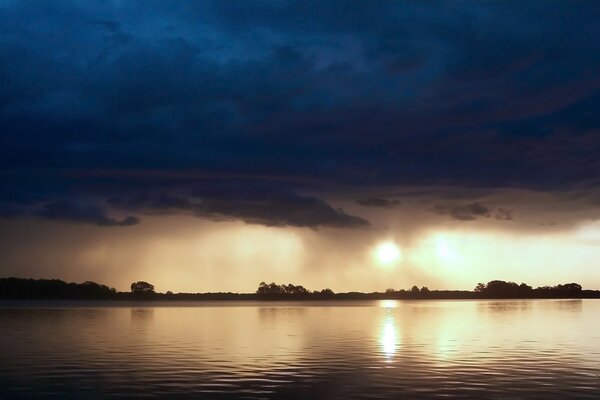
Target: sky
[209, 146]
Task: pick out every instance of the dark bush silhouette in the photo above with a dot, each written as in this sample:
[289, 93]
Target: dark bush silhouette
[17, 288]
[566, 290]
[506, 289]
[273, 289]
[502, 289]
[142, 288]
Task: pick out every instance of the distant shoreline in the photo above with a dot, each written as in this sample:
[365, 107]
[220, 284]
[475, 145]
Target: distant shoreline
[433, 295]
[54, 289]
[4, 301]
[342, 296]
[291, 302]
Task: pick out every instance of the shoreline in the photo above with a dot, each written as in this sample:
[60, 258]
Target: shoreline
[253, 298]
[141, 291]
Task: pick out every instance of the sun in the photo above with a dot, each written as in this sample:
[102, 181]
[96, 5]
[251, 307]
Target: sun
[388, 253]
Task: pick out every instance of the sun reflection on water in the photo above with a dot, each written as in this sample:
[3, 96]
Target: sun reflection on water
[388, 338]
[388, 303]
[428, 349]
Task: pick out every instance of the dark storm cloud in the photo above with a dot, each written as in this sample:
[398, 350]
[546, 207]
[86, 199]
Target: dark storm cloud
[156, 203]
[267, 208]
[11, 210]
[307, 95]
[280, 211]
[379, 202]
[468, 212]
[473, 211]
[64, 210]
[503, 214]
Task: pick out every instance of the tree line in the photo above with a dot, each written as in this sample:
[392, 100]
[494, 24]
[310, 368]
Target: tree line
[273, 289]
[18, 288]
[502, 289]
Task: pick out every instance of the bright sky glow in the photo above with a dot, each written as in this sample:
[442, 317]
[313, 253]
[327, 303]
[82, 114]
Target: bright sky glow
[388, 253]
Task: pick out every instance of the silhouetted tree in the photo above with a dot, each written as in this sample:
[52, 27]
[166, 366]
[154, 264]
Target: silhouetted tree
[17, 288]
[269, 289]
[273, 289]
[293, 289]
[262, 288]
[390, 290]
[575, 287]
[566, 290]
[502, 289]
[142, 288]
[525, 288]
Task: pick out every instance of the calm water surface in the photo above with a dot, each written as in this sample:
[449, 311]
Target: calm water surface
[541, 349]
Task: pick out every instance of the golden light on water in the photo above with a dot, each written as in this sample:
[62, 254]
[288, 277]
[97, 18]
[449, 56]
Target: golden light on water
[388, 303]
[389, 334]
[388, 338]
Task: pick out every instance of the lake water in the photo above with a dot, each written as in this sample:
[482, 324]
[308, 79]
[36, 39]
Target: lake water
[541, 349]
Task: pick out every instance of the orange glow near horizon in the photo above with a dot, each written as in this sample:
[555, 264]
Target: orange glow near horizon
[199, 256]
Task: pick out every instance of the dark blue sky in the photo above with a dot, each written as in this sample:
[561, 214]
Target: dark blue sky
[264, 111]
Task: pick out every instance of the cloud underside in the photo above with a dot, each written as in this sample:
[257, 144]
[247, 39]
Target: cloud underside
[266, 209]
[473, 211]
[269, 210]
[64, 210]
[379, 202]
[110, 101]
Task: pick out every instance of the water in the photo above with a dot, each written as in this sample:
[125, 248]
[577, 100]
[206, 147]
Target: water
[540, 349]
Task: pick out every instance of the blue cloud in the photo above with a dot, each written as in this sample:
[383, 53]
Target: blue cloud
[303, 95]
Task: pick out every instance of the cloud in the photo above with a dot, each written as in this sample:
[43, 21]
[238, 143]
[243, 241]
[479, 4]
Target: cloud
[427, 96]
[551, 223]
[64, 210]
[473, 211]
[503, 214]
[379, 202]
[266, 208]
[300, 211]
[159, 203]
[11, 210]
[468, 212]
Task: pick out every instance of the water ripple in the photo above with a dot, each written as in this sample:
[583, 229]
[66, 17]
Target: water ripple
[470, 349]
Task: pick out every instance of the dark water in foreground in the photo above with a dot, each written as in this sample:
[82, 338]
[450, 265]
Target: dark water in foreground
[541, 349]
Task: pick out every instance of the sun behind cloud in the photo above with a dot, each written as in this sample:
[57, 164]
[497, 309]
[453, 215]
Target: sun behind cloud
[388, 253]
